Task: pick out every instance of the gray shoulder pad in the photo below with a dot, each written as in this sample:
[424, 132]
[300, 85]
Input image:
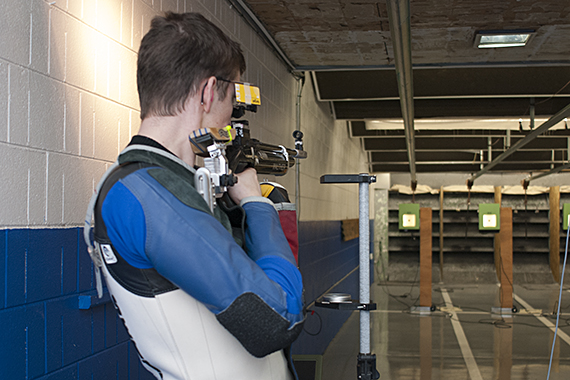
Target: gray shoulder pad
[259, 328]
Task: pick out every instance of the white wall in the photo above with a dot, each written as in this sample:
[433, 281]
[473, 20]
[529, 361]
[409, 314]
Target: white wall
[68, 105]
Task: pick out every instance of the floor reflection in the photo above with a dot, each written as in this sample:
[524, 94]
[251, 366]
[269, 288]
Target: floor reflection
[413, 347]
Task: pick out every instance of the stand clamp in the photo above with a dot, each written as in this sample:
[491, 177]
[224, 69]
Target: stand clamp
[366, 367]
[353, 305]
[348, 178]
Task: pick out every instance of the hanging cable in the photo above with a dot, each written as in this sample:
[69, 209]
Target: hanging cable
[542, 101]
[525, 186]
[467, 213]
[559, 302]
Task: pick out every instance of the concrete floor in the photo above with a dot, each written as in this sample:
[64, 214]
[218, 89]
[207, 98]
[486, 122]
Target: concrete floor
[461, 339]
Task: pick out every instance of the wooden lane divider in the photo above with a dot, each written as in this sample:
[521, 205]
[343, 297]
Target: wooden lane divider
[425, 257]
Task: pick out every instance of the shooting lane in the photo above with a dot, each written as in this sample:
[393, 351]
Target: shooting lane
[490, 238]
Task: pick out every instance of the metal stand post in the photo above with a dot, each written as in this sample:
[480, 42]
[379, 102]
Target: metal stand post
[366, 367]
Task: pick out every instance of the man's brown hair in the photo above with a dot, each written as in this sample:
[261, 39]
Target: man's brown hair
[178, 52]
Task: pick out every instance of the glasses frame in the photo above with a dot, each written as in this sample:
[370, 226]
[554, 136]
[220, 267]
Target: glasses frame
[238, 107]
[221, 80]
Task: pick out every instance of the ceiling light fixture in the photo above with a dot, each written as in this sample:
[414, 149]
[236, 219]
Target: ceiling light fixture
[503, 38]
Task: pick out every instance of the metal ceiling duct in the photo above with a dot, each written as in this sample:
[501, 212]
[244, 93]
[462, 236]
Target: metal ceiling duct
[553, 171]
[400, 29]
[557, 118]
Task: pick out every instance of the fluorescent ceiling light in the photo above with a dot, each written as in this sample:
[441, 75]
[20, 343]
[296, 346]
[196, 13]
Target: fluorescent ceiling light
[498, 123]
[499, 39]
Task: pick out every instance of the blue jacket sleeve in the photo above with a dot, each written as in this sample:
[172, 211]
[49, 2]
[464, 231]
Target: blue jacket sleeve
[267, 245]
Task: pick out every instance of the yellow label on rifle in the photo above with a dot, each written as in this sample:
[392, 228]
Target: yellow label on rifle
[247, 94]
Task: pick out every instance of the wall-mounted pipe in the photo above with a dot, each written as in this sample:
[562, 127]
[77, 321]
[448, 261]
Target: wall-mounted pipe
[558, 117]
[300, 85]
[400, 30]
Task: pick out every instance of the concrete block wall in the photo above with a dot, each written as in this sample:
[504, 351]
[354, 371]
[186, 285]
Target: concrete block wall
[68, 105]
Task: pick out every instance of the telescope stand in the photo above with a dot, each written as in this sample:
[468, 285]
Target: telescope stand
[366, 367]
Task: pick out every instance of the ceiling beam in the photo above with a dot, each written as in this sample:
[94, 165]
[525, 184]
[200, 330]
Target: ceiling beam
[452, 108]
[258, 26]
[480, 82]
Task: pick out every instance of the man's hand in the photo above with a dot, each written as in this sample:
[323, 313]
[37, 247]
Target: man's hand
[247, 186]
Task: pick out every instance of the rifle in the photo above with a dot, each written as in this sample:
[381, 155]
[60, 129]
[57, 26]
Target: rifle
[231, 150]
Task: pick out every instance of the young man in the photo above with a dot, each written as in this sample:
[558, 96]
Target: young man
[198, 303]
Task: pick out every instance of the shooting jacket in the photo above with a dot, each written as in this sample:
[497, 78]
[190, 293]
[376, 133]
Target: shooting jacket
[196, 303]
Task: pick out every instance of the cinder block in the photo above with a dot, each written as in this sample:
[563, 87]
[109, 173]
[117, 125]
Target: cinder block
[77, 186]
[266, 83]
[19, 92]
[124, 125]
[54, 331]
[74, 8]
[81, 49]
[86, 280]
[58, 44]
[67, 239]
[135, 118]
[126, 24]
[244, 33]
[109, 364]
[102, 64]
[110, 325]
[3, 235]
[142, 15]
[108, 117]
[76, 334]
[87, 124]
[89, 12]
[72, 126]
[69, 372]
[109, 18]
[98, 316]
[47, 99]
[228, 17]
[169, 5]
[4, 89]
[16, 255]
[69, 188]
[122, 332]
[13, 347]
[69, 333]
[35, 325]
[122, 84]
[39, 56]
[43, 265]
[15, 41]
[136, 369]
[210, 6]
[24, 190]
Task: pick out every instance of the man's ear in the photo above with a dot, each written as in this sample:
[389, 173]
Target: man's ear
[208, 94]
